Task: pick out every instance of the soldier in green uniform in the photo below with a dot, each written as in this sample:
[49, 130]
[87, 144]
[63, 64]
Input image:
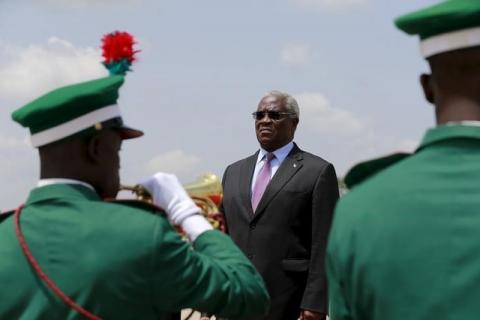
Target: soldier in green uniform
[405, 241]
[69, 254]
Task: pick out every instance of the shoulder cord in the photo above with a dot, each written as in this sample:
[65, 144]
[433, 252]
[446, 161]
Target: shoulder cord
[43, 276]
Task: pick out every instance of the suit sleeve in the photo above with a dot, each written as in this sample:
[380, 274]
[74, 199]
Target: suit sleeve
[325, 196]
[214, 277]
[221, 207]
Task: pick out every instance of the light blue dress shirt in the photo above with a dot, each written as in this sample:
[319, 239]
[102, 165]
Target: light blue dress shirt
[280, 155]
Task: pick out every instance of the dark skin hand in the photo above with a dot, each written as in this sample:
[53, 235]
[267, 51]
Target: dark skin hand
[311, 315]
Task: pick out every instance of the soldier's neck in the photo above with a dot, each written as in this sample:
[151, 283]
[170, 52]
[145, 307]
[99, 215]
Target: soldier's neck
[458, 109]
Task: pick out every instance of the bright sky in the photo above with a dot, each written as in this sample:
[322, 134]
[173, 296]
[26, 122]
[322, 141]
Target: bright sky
[203, 68]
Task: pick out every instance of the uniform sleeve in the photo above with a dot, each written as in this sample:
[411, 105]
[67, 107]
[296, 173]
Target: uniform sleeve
[337, 269]
[325, 196]
[212, 276]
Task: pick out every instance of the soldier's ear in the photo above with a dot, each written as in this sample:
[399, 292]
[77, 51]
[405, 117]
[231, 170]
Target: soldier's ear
[427, 86]
[93, 148]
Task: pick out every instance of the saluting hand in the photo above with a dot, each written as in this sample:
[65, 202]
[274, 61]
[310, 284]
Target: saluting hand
[168, 194]
[311, 315]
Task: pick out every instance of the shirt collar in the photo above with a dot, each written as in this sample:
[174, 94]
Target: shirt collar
[471, 123]
[280, 153]
[47, 182]
[470, 129]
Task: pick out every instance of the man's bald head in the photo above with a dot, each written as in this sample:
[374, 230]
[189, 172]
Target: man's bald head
[454, 85]
[457, 71]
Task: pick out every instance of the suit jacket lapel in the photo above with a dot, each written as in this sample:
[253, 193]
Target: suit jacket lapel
[290, 166]
[245, 183]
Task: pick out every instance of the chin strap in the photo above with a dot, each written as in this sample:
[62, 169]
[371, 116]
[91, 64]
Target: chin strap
[43, 276]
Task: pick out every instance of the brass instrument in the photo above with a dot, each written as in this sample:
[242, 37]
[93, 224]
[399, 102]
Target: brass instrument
[139, 191]
[206, 191]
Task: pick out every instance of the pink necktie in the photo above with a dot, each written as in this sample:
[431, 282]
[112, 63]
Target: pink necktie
[263, 178]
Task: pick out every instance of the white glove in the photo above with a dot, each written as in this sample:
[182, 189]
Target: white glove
[168, 194]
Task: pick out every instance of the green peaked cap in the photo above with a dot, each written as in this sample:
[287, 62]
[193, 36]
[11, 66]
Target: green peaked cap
[447, 26]
[72, 109]
[69, 102]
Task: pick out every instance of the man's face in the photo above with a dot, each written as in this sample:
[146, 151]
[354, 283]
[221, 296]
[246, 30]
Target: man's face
[274, 134]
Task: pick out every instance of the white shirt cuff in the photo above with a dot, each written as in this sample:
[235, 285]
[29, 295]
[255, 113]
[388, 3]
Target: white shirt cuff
[195, 225]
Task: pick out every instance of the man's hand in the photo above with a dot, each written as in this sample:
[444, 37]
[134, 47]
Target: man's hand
[168, 194]
[311, 315]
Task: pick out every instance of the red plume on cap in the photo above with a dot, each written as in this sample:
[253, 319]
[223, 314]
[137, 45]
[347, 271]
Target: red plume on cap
[118, 52]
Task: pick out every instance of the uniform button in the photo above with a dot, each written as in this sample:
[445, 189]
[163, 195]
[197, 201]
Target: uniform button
[250, 256]
[253, 226]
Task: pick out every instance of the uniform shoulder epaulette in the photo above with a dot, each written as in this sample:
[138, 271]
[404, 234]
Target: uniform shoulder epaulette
[138, 204]
[362, 171]
[6, 214]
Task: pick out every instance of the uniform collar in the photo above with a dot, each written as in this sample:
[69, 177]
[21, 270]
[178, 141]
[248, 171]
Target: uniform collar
[450, 131]
[62, 191]
[46, 182]
[460, 130]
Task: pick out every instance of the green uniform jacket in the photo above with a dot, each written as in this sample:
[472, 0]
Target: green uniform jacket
[118, 262]
[405, 244]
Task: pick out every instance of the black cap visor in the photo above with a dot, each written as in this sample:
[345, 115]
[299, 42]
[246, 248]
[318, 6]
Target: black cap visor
[129, 133]
[125, 132]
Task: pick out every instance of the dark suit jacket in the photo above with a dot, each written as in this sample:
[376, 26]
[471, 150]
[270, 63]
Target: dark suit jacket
[287, 235]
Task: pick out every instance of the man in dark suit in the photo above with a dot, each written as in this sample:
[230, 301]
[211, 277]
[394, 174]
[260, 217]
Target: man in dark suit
[278, 205]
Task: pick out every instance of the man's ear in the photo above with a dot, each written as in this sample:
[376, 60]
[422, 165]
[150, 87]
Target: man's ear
[93, 148]
[427, 86]
[295, 122]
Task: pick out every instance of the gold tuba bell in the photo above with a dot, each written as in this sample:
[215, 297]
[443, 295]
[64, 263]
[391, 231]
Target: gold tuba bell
[206, 191]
